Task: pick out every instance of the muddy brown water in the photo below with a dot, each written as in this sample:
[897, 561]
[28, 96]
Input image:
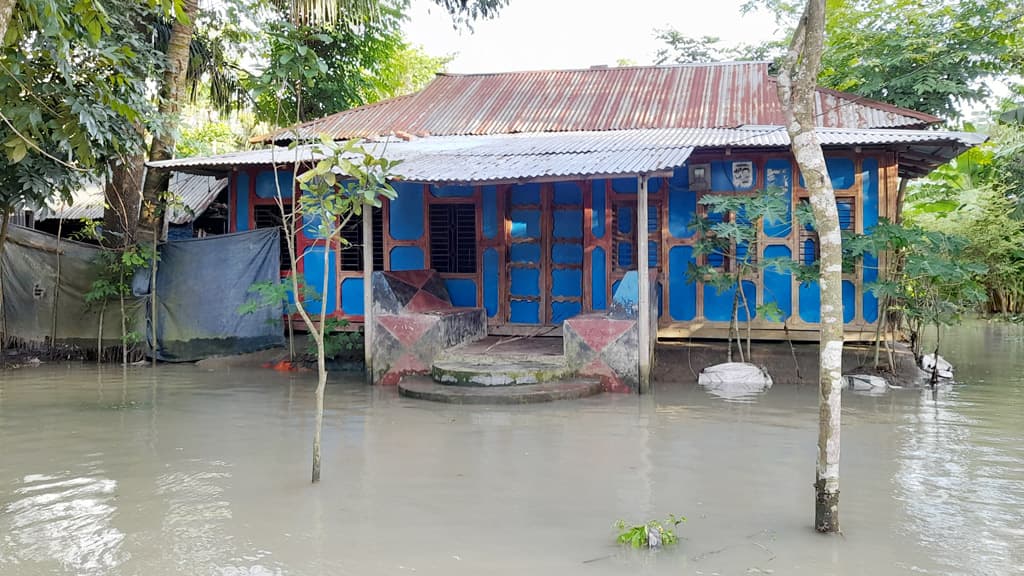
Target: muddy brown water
[180, 470]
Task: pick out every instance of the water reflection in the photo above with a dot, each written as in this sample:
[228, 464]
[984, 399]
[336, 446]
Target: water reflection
[63, 518]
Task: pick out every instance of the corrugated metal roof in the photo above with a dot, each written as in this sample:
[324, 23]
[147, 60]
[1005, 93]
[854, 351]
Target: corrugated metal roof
[195, 193]
[503, 157]
[683, 96]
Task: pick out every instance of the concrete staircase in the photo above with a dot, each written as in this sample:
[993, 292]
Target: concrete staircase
[496, 371]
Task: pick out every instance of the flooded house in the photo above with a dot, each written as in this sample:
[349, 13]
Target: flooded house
[534, 198]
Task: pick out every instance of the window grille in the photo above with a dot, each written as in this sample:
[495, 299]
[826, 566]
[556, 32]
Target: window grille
[453, 238]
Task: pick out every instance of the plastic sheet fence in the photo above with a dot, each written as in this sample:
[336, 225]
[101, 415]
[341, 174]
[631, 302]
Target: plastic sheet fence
[201, 284]
[44, 285]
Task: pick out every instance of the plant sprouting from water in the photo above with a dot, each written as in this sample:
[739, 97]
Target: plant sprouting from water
[652, 534]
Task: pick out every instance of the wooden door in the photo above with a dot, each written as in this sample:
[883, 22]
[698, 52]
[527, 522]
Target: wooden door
[545, 253]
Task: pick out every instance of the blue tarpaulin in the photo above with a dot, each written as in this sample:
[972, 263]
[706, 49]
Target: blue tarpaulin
[202, 283]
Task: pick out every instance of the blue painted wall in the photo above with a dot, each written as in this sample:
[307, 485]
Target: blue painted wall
[682, 205]
[241, 214]
[406, 212]
[597, 205]
[778, 286]
[490, 223]
[407, 258]
[491, 276]
[599, 288]
[462, 292]
[682, 294]
[718, 305]
[352, 296]
[265, 187]
[313, 270]
[779, 173]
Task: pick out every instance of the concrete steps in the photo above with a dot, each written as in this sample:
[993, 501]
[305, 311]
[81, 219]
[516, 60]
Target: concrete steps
[498, 370]
[425, 388]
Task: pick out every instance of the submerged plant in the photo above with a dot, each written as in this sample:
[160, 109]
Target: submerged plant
[650, 535]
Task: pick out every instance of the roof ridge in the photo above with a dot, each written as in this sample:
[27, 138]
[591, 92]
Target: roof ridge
[609, 68]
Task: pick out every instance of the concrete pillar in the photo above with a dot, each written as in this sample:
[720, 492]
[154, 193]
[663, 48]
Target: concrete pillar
[644, 286]
[368, 291]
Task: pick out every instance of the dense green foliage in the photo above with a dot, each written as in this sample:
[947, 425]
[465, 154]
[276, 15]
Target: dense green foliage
[929, 280]
[73, 83]
[931, 56]
[980, 197]
[340, 66]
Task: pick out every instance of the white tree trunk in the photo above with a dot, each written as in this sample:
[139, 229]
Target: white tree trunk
[6, 11]
[797, 84]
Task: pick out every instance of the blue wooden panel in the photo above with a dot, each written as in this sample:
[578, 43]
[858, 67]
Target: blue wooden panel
[491, 276]
[597, 213]
[624, 185]
[567, 223]
[313, 270]
[625, 219]
[718, 306]
[567, 282]
[352, 296]
[451, 191]
[778, 173]
[461, 291]
[524, 312]
[241, 214]
[525, 194]
[406, 212]
[490, 212]
[778, 286]
[265, 187]
[567, 253]
[869, 301]
[568, 194]
[406, 258]
[525, 282]
[525, 223]
[599, 287]
[840, 171]
[869, 181]
[562, 311]
[809, 302]
[849, 301]
[682, 208]
[624, 254]
[525, 252]
[629, 185]
[652, 254]
[682, 294]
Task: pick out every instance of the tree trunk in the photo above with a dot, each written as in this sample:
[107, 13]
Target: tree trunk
[797, 84]
[5, 218]
[172, 92]
[123, 200]
[6, 12]
[321, 365]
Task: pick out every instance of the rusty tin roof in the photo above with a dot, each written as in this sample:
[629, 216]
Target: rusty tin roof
[719, 95]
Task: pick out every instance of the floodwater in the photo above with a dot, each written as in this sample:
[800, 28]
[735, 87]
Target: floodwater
[178, 470]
